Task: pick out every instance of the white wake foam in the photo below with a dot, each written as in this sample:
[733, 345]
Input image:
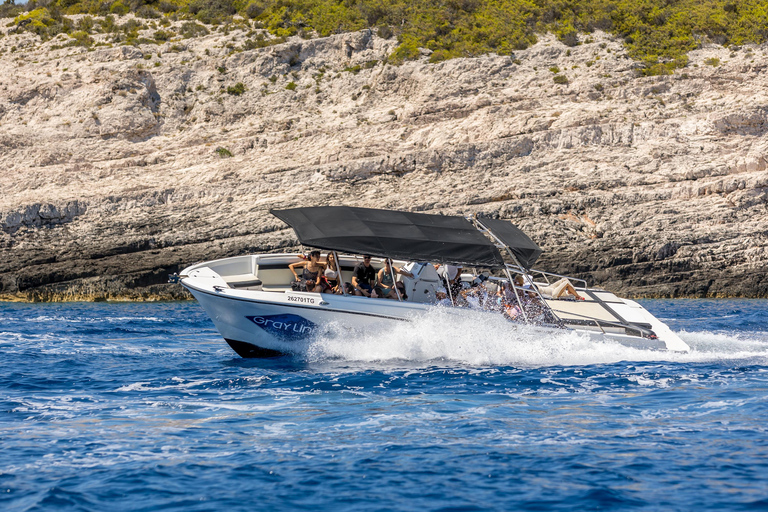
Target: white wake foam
[480, 339]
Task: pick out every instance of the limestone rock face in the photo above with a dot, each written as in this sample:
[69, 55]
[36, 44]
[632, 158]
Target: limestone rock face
[116, 166]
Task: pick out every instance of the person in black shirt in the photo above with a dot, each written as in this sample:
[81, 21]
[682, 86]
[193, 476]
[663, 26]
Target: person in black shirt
[363, 276]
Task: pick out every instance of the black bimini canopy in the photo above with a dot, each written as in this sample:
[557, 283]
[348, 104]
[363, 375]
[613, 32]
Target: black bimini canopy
[525, 250]
[387, 233]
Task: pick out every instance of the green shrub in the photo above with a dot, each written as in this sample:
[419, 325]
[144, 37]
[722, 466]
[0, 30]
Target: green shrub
[10, 10]
[223, 152]
[167, 7]
[119, 8]
[385, 32]
[162, 35]
[657, 34]
[147, 12]
[560, 79]
[714, 62]
[108, 25]
[193, 29]
[81, 38]
[237, 89]
[86, 24]
[38, 21]
[254, 9]
[566, 33]
[291, 86]
[407, 49]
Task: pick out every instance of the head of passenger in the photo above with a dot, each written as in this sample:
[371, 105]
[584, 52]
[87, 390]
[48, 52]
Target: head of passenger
[519, 281]
[367, 260]
[314, 256]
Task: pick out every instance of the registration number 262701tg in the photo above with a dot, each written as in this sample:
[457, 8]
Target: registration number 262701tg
[305, 300]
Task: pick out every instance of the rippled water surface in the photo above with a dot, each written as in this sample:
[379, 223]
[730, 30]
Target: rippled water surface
[144, 407]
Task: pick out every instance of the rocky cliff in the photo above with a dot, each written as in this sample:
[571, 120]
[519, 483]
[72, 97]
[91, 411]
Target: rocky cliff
[122, 164]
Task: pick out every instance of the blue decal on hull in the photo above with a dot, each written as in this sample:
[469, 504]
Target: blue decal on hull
[287, 327]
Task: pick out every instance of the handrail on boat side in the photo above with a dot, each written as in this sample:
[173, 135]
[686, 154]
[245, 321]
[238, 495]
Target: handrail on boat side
[521, 270]
[612, 324]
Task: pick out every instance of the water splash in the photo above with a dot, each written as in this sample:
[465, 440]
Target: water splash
[482, 339]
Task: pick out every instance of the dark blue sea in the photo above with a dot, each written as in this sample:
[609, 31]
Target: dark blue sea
[109, 407]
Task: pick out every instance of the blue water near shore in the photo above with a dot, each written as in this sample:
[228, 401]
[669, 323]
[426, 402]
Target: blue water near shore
[144, 407]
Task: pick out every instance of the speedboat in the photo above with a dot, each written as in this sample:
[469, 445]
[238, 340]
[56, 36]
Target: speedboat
[254, 304]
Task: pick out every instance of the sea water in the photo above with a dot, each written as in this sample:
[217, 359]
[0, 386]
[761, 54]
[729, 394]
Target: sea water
[144, 407]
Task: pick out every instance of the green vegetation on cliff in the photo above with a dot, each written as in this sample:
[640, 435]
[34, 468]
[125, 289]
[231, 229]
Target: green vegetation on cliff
[659, 33]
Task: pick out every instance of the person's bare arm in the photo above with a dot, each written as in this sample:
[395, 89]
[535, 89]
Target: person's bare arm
[403, 272]
[293, 266]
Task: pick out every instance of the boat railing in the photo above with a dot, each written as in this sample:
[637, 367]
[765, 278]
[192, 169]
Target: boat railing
[520, 292]
[645, 332]
[517, 267]
[545, 275]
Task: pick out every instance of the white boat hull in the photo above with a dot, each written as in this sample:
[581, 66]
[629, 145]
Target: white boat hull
[262, 325]
[266, 324]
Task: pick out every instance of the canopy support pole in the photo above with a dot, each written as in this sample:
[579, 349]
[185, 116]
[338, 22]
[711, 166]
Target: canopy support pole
[519, 265]
[517, 295]
[394, 278]
[338, 273]
[448, 285]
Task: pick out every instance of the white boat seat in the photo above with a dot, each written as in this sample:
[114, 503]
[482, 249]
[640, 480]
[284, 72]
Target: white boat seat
[275, 288]
[243, 281]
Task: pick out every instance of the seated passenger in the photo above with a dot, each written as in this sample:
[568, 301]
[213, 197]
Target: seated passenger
[507, 302]
[330, 278]
[559, 289]
[310, 276]
[451, 276]
[523, 287]
[363, 276]
[385, 286]
[478, 295]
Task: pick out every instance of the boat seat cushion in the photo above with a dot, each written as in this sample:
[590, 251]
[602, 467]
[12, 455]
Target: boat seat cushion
[242, 281]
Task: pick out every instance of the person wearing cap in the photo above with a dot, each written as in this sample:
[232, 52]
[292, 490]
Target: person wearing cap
[363, 276]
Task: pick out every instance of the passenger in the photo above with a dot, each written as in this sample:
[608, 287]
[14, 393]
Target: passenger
[330, 278]
[385, 286]
[507, 302]
[310, 276]
[491, 289]
[523, 288]
[477, 295]
[362, 277]
[451, 276]
[559, 289]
